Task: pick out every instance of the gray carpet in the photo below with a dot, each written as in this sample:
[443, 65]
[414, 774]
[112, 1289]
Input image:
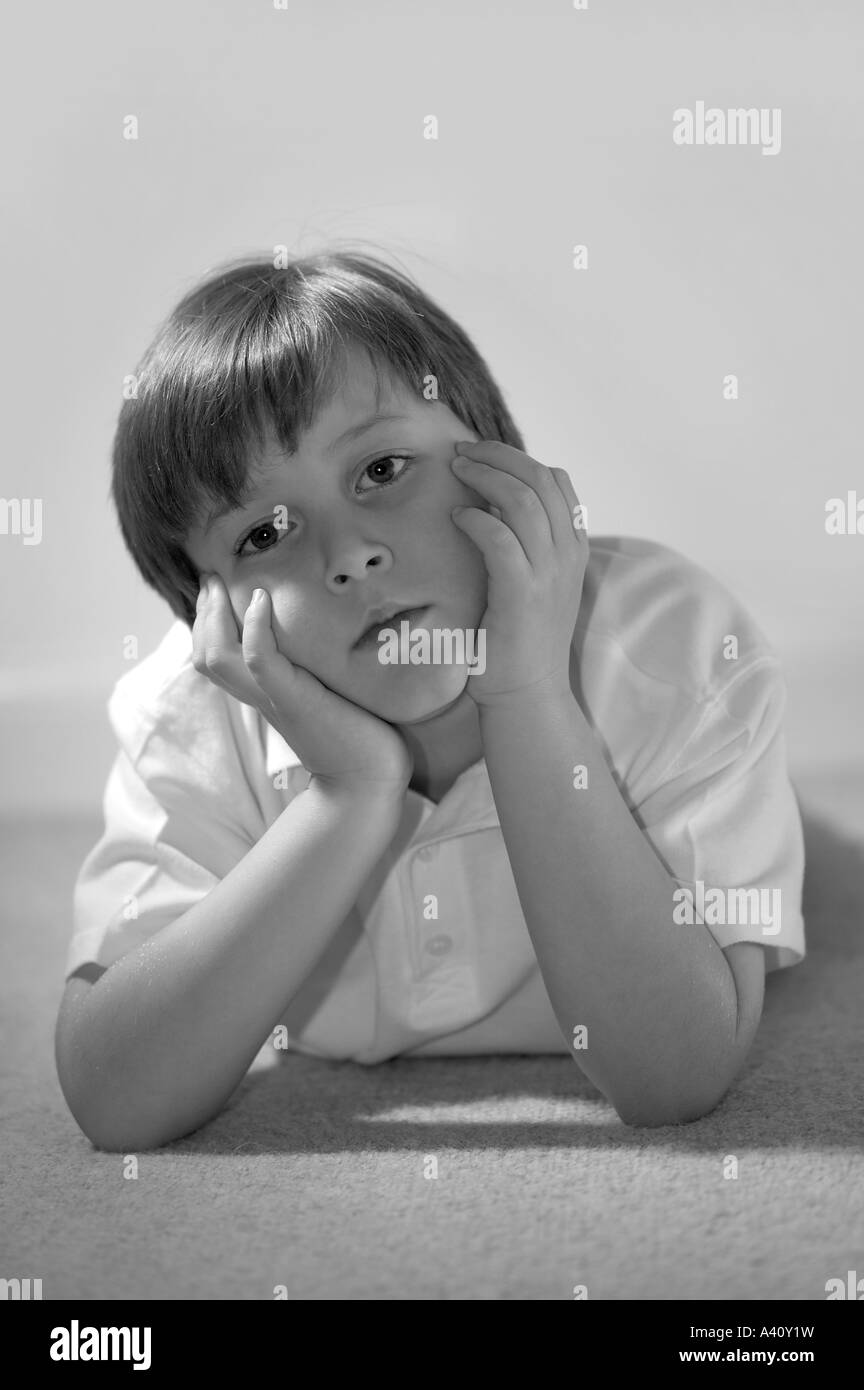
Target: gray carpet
[313, 1177]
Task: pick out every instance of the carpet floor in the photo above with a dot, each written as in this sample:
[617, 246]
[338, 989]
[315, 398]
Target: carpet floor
[316, 1179]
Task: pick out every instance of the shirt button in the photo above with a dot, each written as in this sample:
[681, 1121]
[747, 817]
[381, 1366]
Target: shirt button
[427, 852]
[439, 945]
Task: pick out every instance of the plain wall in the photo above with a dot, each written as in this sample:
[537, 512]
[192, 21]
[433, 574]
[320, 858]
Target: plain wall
[260, 127]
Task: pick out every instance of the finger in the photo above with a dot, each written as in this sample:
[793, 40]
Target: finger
[198, 626]
[519, 503]
[506, 561]
[578, 513]
[494, 451]
[507, 460]
[203, 639]
[219, 653]
[260, 652]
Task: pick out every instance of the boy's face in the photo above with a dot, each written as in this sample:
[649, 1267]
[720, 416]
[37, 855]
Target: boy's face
[356, 537]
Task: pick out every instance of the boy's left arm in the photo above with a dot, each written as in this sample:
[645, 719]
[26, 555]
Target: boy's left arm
[669, 1015]
[665, 1017]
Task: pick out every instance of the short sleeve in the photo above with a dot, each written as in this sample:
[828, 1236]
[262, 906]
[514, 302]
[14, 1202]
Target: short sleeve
[186, 799]
[725, 820]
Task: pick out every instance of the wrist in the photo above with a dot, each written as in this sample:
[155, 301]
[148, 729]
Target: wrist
[545, 692]
[363, 790]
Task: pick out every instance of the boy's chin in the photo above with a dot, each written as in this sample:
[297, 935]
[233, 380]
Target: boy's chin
[422, 698]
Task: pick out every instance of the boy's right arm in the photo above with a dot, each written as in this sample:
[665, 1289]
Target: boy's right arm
[155, 1047]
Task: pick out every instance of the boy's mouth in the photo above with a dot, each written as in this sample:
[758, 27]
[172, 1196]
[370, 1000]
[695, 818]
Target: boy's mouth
[370, 636]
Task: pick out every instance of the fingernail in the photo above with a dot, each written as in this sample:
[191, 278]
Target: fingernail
[257, 595]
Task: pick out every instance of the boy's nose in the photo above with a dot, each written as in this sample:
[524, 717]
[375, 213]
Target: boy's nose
[359, 561]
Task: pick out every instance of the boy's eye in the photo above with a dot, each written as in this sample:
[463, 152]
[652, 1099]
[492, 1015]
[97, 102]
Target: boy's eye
[389, 458]
[256, 531]
[271, 527]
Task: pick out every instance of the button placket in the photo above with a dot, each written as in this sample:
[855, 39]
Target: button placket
[439, 944]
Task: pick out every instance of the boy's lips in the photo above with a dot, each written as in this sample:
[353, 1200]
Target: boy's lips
[370, 634]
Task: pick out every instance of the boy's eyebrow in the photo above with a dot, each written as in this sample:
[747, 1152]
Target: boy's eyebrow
[224, 509]
[351, 433]
[360, 428]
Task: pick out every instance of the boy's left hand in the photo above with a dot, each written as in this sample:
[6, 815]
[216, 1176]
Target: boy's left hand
[535, 555]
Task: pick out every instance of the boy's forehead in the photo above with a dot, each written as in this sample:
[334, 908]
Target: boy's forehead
[359, 394]
[358, 399]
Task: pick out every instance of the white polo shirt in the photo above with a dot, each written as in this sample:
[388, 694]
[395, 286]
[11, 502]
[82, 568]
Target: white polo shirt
[691, 731]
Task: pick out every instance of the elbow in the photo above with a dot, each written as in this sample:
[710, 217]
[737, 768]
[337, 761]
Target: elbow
[109, 1137]
[102, 1138]
[112, 1127]
[105, 1134]
[692, 1099]
[95, 1123]
[646, 1113]
[115, 1125]
[92, 1110]
[686, 1084]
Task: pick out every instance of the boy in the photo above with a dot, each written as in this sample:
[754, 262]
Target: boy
[586, 843]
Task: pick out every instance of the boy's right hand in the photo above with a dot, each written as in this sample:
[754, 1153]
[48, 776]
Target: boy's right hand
[338, 742]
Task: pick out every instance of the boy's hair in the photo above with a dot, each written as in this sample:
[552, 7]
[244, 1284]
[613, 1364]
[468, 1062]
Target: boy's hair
[254, 345]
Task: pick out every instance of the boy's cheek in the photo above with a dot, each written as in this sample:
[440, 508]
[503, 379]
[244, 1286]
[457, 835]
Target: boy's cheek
[291, 619]
[300, 639]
